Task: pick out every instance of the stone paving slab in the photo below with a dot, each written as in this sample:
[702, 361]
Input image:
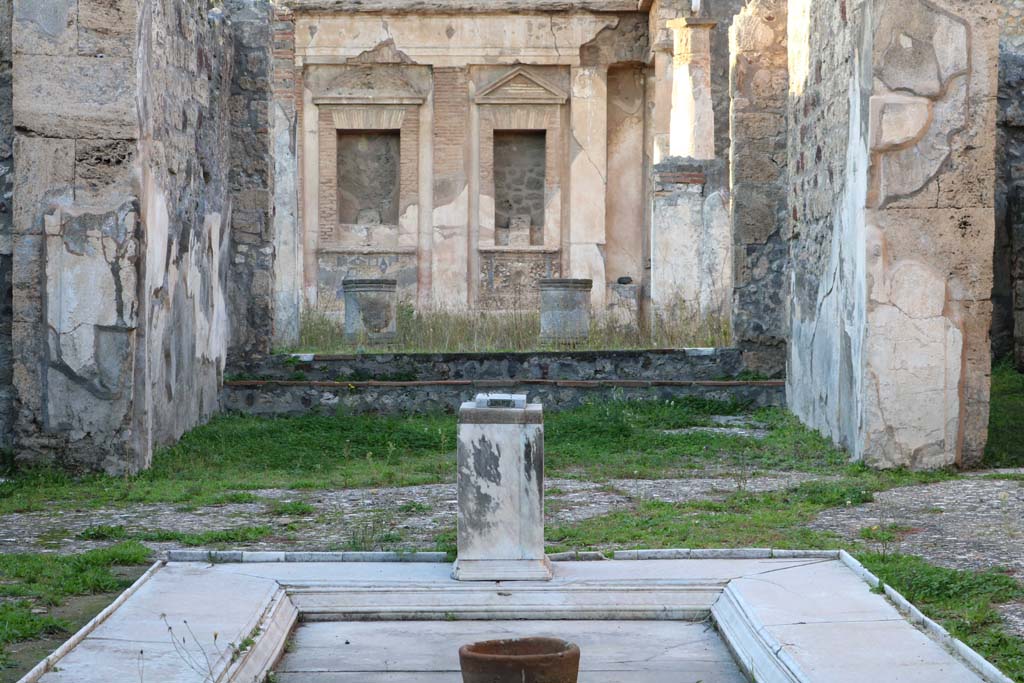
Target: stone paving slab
[653, 652]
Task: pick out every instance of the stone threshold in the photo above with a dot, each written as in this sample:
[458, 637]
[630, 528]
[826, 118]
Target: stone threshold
[792, 616]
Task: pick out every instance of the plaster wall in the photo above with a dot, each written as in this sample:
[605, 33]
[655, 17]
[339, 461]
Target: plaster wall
[900, 320]
[484, 72]
[120, 223]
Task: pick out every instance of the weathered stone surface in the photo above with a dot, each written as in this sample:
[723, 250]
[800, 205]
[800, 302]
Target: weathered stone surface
[251, 280]
[565, 310]
[691, 250]
[121, 158]
[694, 364]
[371, 310]
[501, 493]
[1008, 292]
[905, 212]
[758, 79]
[70, 96]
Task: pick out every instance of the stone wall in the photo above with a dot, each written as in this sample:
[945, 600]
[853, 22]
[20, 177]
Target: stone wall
[891, 161]
[120, 227]
[759, 84]
[251, 273]
[1008, 293]
[6, 202]
[682, 365]
[425, 383]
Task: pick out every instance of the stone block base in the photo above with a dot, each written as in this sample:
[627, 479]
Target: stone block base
[503, 570]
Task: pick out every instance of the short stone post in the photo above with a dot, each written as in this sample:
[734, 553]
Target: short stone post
[565, 310]
[501, 490]
[371, 310]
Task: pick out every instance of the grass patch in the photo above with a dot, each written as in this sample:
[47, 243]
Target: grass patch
[765, 520]
[963, 602]
[244, 534]
[679, 325]
[51, 578]
[233, 456]
[290, 508]
[48, 579]
[18, 623]
[1005, 447]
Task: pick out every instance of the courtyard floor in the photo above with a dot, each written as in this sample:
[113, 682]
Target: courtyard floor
[620, 476]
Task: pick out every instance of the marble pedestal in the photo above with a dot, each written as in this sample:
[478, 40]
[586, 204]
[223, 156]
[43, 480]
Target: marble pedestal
[501, 491]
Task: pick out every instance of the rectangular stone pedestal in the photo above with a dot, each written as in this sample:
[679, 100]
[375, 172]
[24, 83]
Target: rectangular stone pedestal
[501, 491]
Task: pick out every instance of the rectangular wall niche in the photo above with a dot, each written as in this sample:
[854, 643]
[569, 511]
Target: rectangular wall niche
[519, 180]
[368, 177]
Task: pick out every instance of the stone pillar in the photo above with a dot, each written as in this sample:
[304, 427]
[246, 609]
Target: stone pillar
[588, 177]
[891, 176]
[250, 293]
[287, 229]
[501, 491]
[371, 310]
[759, 87]
[565, 310]
[692, 125]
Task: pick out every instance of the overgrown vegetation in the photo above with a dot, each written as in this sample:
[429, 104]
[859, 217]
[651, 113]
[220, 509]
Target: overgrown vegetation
[1005, 446]
[437, 331]
[963, 602]
[776, 519]
[232, 456]
[34, 581]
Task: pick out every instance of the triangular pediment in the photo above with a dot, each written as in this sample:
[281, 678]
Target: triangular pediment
[520, 86]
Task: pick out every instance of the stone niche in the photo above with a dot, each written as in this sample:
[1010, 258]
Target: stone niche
[367, 146]
[521, 154]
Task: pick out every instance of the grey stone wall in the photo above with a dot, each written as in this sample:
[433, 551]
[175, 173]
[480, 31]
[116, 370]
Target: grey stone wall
[424, 383]
[368, 177]
[251, 279]
[300, 398]
[185, 89]
[690, 364]
[519, 159]
[1008, 290]
[6, 202]
[827, 161]
[759, 83]
[120, 227]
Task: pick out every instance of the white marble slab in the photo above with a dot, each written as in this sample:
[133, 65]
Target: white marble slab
[664, 651]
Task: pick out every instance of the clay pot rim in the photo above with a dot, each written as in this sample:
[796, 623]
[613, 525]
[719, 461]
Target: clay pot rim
[564, 649]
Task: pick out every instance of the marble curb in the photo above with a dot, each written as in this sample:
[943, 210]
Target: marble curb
[247, 556]
[71, 643]
[725, 554]
[982, 666]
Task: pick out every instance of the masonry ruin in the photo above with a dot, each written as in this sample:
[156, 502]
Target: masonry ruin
[178, 184]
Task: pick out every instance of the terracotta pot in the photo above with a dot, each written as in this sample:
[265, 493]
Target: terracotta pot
[526, 660]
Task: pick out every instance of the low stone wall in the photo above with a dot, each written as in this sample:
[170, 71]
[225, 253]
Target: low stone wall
[674, 365]
[424, 383]
[279, 397]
